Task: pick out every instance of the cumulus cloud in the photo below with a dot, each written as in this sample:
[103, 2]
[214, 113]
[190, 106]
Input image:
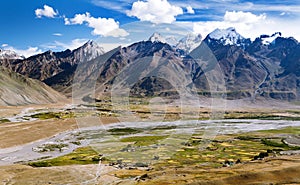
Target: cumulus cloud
[47, 11]
[243, 17]
[155, 11]
[190, 10]
[30, 51]
[102, 26]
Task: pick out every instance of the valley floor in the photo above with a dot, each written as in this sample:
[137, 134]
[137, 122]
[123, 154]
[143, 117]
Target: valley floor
[187, 167]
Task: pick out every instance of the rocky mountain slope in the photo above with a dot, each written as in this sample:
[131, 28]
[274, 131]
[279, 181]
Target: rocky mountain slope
[268, 66]
[265, 67]
[54, 68]
[146, 68]
[16, 89]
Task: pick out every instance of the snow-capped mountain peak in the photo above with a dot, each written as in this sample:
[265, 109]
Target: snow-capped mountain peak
[189, 42]
[227, 36]
[171, 40]
[267, 39]
[88, 51]
[156, 37]
[9, 54]
[90, 43]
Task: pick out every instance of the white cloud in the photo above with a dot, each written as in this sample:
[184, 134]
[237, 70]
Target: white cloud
[57, 34]
[242, 17]
[47, 11]
[111, 46]
[30, 51]
[67, 22]
[74, 44]
[190, 10]
[102, 26]
[155, 11]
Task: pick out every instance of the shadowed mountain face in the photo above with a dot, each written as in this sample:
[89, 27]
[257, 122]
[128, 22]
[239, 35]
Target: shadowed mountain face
[148, 68]
[16, 89]
[268, 66]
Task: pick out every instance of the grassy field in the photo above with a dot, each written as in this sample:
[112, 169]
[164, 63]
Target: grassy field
[190, 157]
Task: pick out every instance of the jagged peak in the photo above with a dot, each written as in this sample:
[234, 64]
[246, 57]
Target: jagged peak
[191, 37]
[228, 36]
[49, 52]
[88, 51]
[90, 43]
[270, 39]
[9, 54]
[219, 33]
[171, 40]
[189, 42]
[157, 37]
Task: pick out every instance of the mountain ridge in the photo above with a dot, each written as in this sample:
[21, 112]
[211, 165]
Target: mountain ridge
[48, 65]
[251, 68]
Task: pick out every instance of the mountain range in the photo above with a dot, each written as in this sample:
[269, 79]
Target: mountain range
[268, 67]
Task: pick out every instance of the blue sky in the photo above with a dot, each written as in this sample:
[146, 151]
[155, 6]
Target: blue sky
[30, 27]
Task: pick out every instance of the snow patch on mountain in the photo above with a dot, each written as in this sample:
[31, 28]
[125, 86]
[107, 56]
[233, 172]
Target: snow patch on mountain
[171, 40]
[185, 44]
[189, 42]
[156, 37]
[8, 54]
[88, 51]
[267, 39]
[227, 36]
